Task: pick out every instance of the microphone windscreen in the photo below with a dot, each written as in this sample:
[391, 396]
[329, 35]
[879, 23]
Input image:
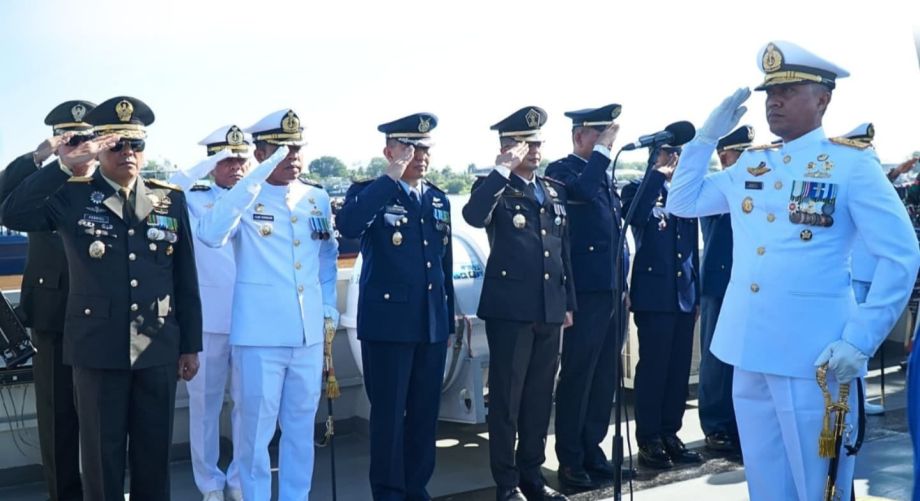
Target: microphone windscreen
[682, 132]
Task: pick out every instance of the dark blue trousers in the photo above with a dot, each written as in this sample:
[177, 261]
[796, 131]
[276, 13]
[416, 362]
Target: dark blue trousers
[717, 413]
[663, 372]
[587, 381]
[403, 384]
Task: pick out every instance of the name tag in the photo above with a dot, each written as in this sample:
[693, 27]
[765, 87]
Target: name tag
[263, 217]
[753, 185]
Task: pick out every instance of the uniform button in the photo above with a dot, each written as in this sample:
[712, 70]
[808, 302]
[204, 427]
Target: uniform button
[132, 256]
[679, 255]
[133, 282]
[421, 220]
[680, 273]
[543, 232]
[649, 268]
[153, 247]
[771, 217]
[386, 295]
[428, 264]
[778, 185]
[293, 219]
[761, 251]
[546, 253]
[130, 232]
[87, 312]
[504, 273]
[134, 307]
[590, 248]
[297, 265]
[296, 242]
[542, 210]
[430, 286]
[41, 280]
[723, 266]
[787, 159]
[678, 237]
[517, 207]
[546, 276]
[300, 288]
[425, 242]
[755, 288]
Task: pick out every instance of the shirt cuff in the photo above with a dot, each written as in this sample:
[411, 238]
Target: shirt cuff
[504, 171]
[603, 150]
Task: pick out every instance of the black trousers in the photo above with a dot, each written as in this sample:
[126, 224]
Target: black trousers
[58, 429]
[403, 385]
[663, 372]
[717, 412]
[118, 407]
[587, 381]
[523, 358]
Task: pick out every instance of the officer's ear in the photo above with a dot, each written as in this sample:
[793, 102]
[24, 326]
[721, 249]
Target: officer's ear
[824, 97]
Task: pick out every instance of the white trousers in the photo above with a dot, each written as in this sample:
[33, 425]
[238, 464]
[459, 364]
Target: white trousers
[277, 385]
[206, 399]
[779, 421]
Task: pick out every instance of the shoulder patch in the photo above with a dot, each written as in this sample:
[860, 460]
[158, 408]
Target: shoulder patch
[852, 143]
[200, 187]
[162, 184]
[309, 182]
[763, 147]
[80, 179]
[433, 186]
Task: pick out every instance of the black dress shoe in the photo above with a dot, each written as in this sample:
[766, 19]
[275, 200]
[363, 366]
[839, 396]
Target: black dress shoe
[512, 494]
[576, 479]
[723, 442]
[606, 471]
[653, 455]
[678, 452]
[542, 493]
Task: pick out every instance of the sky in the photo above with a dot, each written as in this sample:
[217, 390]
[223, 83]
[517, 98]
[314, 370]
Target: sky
[347, 66]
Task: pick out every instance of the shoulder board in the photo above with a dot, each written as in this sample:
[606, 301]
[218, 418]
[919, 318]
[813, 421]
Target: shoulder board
[852, 143]
[200, 187]
[554, 181]
[763, 147]
[80, 179]
[432, 185]
[162, 184]
[310, 182]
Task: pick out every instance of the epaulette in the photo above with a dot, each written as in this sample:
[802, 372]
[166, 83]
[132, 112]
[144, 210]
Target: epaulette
[162, 184]
[309, 182]
[764, 147]
[200, 187]
[80, 179]
[556, 181]
[434, 186]
[852, 143]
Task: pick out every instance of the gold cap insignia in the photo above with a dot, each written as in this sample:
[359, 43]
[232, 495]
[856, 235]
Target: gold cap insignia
[750, 133]
[616, 112]
[235, 136]
[290, 123]
[772, 59]
[424, 124]
[124, 109]
[870, 131]
[533, 118]
[78, 111]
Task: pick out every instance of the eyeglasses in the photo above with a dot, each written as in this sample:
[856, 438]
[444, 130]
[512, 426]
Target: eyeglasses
[78, 140]
[137, 145]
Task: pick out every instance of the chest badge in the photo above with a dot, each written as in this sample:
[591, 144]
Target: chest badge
[265, 230]
[96, 197]
[747, 205]
[397, 238]
[760, 170]
[805, 235]
[519, 221]
[260, 208]
[96, 249]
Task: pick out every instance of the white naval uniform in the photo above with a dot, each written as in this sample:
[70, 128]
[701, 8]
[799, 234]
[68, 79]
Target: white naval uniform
[216, 272]
[789, 295]
[284, 279]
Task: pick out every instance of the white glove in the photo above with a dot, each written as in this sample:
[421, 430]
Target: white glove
[725, 117]
[843, 359]
[332, 313]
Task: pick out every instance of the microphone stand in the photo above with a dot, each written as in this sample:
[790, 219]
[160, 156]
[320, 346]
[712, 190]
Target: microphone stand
[620, 313]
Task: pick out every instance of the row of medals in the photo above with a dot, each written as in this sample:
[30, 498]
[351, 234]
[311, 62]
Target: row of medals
[397, 237]
[320, 226]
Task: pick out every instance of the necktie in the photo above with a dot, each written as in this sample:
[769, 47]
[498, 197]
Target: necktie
[414, 196]
[127, 208]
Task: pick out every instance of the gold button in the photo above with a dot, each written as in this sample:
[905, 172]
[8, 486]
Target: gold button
[504, 273]
[296, 242]
[297, 265]
[761, 251]
[300, 288]
[679, 255]
[771, 217]
[680, 273]
[517, 207]
[293, 219]
[133, 282]
[787, 159]
[430, 286]
[778, 185]
[546, 253]
[590, 248]
[546, 276]
[428, 264]
[425, 242]
[41, 280]
[132, 256]
[755, 288]
[87, 312]
[543, 232]
[130, 232]
[386, 295]
[134, 307]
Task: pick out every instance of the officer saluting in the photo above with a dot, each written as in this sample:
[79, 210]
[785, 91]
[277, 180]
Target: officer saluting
[527, 298]
[795, 209]
[42, 304]
[285, 253]
[587, 379]
[406, 306]
[228, 158]
[133, 309]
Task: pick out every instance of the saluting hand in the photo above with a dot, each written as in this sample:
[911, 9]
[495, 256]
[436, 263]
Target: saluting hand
[400, 161]
[513, 156]
[188, 366]
[88, 151]
[49, 147]
[608, 136]
[667, 168]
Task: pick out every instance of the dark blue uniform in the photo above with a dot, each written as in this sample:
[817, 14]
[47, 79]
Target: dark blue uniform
[525, 296]
[405, 314]
[587, 380]
[717, 414]
[664, 294]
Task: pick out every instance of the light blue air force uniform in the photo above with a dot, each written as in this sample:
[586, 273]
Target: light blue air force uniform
[285, 278]
[795, 210]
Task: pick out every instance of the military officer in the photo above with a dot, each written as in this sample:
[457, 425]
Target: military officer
[406, 305]
[717, 414]
[42, 302]
[527, 298]
[664, 297]
[133, 309]
[587, 378]
[228, 158]
[795, 208]
[286, 270]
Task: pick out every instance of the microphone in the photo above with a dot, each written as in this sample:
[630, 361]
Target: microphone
[675, 134]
